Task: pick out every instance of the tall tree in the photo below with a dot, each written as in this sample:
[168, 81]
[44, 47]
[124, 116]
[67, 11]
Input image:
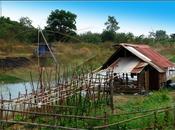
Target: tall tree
[161, 35]
[112, 24]
[90, 37]
[139, 39]
[25, 21]
[15, 31]
[130, 37]
[152, 34]
[62, 23]
[172, 36]
[109, 34]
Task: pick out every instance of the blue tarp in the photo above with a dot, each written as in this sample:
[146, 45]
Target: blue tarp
[43, 49]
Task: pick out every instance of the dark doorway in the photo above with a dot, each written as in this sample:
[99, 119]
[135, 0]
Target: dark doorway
[153, 79]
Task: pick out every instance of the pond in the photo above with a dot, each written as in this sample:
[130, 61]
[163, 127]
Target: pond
[15, 88]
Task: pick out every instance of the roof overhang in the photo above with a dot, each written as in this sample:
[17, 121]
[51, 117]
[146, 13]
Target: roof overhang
[142, 57]
[126, 65]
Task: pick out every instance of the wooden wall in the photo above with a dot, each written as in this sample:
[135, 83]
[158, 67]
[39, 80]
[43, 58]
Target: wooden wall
[162, 79]
[151, 80]
[141, 80]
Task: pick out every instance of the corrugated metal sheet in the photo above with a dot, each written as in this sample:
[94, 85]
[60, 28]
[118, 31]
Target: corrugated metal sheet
[124, 65]
[154, 56]
[138, 52]
[139, 67]
[143, 53]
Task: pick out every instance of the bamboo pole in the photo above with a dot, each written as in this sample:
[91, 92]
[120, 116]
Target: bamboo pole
[39, 125]
[51, 114]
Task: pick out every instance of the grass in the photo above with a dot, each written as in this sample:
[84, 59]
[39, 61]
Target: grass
[66, 55]
[156, 100]
[4, 78]
[159, 99]
[19, 74]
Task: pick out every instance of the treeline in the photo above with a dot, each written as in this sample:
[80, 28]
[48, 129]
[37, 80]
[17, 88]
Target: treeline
[61, 27]
[160, 36]
[22, 31]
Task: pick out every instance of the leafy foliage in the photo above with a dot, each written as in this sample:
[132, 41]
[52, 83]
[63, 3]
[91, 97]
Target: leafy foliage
[61, 26]
[112, 24]
[108, 36]
[124, 37]
[15, 31]
[90, 37]
[161, 35]
[62, 23]
[25, 21]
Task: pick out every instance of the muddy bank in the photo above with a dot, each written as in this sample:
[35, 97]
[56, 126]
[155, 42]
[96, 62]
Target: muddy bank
[13, 62]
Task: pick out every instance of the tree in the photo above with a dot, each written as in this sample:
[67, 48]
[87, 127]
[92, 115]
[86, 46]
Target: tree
[15, 31]
[152, 34]
[112, 24]
[161, 35]
[90, 37]
[130, 37]
[108, 36]
[139, 39]
[121, 38]
[62, 23]
[172, 36]
[25, 21]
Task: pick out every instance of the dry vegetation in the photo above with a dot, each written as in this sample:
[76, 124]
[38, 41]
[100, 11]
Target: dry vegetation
[69, 54]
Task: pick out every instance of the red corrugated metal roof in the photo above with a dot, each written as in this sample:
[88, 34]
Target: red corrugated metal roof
[154, 56]
[140, 66]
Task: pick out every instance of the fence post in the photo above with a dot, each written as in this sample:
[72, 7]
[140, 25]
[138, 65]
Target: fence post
[166, 116]
[111, 92]
[1, 114]
[105, 118]
[174, 116]
[155, 120]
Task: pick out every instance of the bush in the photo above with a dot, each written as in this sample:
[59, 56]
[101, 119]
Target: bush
[90, 37]
[108, 36]
[14, 31]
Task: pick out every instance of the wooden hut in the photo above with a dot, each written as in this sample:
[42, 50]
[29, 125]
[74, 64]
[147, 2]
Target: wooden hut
[138, 68]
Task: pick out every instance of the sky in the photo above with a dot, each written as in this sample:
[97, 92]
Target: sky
[134, 16]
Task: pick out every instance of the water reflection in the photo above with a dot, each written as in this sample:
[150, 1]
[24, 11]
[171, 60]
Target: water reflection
[15, 88]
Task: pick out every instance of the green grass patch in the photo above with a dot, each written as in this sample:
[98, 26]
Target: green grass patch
[156, 100]
[86, 107]
[9, 79]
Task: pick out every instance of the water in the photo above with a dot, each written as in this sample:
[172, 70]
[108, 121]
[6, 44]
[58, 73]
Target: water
[15, 88]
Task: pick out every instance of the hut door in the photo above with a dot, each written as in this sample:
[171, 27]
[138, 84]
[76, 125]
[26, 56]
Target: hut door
[146, 80]
[153, 79]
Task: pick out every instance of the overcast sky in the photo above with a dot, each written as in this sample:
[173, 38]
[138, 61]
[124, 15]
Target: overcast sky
[136, 17]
